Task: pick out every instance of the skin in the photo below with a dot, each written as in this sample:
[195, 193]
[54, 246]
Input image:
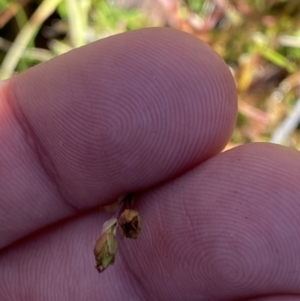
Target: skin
[145, 111]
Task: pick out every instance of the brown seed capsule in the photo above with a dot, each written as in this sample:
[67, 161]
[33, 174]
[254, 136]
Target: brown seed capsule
[130, 223]
[105, 251]
[106, 246]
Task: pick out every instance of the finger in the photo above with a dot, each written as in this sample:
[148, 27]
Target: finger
[119, 115]
[59, 265]
[228, 230]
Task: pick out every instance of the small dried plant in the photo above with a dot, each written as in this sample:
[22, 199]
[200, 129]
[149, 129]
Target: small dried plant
[129, 223]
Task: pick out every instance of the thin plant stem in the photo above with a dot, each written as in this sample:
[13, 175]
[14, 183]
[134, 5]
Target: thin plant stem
[281, 134]
[24, 37]
[77, 18]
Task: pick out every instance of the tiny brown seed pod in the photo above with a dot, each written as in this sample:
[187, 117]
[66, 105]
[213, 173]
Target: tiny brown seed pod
[130, 223]
[105, 251]
[106, 246]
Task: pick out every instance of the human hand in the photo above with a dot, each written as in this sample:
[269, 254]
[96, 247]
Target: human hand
[143, 111]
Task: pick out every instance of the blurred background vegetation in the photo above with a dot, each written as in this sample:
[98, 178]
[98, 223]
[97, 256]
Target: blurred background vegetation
[258, 39]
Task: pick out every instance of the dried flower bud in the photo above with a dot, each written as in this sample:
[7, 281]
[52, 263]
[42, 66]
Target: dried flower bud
[105, 251]
[106, 246]
[130, 223]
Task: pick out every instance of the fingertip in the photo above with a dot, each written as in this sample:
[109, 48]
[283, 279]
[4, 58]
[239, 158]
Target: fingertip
[119, 115]
[154, 99]
[227, 229]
